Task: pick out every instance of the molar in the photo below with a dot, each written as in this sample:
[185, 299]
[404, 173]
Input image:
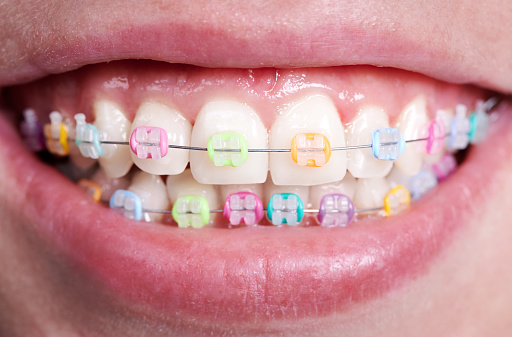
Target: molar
[346, 186]
[361, 162]
[370, 193]
[113, 125]
[225, 116]
[151, 190]
[411, 123]
[184, 184]
[312, 114]
[178, 132]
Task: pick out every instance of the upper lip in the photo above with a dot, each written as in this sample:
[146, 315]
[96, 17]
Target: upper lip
[259, 37]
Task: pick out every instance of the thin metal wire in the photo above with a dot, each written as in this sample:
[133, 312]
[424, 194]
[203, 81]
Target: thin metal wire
[308, 210]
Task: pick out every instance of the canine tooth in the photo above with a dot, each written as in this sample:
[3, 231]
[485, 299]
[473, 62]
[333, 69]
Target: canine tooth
[270, 189]
[227, 116]
[109, 185]
[412, 122]
[370, 192]
[178, 131]
[113, 125]
[312, 114]
[346, 186]
[397, 177]
[152, 192]
[361, 162]
[184, 184]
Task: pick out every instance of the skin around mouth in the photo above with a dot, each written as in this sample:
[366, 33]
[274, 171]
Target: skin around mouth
[70, 267]
[249, 277]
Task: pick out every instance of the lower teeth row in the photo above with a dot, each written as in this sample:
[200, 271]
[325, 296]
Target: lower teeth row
[230, 150]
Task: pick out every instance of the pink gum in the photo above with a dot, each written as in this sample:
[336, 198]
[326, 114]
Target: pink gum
[267, 90]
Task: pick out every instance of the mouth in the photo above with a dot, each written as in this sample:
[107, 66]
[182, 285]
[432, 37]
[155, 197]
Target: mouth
[232, 274]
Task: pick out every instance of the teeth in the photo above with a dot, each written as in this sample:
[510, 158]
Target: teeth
[109, 185]
[78, 159]
[113, 125]
[313, 114]
[370, 193]
[184, 184]
[270, 189]
[397, 177]
[411, 124]
[229, 117]
[226, 190]
[362, 163]
[178, 130]
[152, 192]
[346, 186]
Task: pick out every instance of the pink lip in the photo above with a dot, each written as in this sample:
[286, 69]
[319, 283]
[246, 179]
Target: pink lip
[261, 273]
[279, 34]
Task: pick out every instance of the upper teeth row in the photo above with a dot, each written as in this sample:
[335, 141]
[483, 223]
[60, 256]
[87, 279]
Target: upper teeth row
[307, 148]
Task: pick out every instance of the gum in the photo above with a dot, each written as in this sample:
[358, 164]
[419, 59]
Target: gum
[267, 90]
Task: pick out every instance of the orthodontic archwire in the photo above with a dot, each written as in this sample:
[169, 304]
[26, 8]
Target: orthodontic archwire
[230, 149]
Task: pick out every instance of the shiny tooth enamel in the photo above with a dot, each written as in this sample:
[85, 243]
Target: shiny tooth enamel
[225, 190]
[361, 162]
[370, 192]
[109, 185]
[184, 184]
[227, 116]
[412, 123]
[152, 192]
[397, 177]
[113, 125]
[178, 132]
[346, 186]
[311, 114]
[269, 189]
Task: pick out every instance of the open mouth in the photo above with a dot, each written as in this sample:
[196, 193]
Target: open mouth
[243, 268]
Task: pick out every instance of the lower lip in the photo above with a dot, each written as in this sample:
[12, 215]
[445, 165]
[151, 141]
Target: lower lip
[262, 272]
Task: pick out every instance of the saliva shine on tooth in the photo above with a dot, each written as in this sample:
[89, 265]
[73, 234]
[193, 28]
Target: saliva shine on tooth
[56, 134]
[230, 149]
[87, 138]
[149, 142]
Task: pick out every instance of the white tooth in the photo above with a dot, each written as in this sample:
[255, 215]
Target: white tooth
[270, 189]
[152, 192]
[109, 185]
[178, 131]
[397, 177]
[362, 163]
[346, 186]
[78, 159]
[370, 193]
[412, 123]
[113, 125]
[229, 116]
[317, 114]
[184, 184]
[226, 190]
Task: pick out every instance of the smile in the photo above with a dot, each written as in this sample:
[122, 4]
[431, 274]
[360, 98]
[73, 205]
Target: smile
[245, 189]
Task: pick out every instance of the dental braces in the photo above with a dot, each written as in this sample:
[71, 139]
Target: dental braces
[230, 149]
